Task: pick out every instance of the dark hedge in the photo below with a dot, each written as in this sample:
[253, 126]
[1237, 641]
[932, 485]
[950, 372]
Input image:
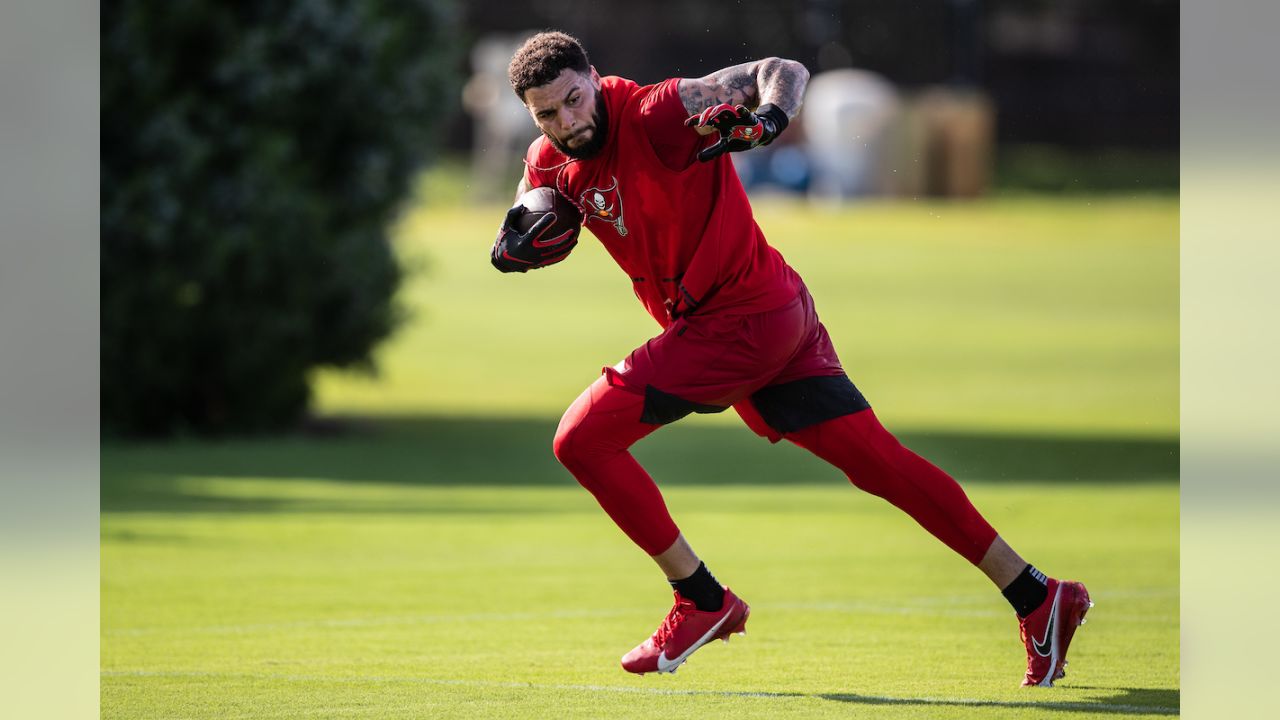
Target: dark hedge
[253, 154]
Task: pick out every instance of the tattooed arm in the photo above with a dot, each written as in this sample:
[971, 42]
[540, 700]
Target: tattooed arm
[771, 80]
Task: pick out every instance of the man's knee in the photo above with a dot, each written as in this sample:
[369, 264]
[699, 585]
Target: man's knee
[562, 445]
[583, 434]
[565, 445]
[583, 440]
[603, 422]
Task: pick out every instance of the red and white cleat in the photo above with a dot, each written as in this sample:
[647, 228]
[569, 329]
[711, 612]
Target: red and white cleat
[1047, 632]
[685, 629]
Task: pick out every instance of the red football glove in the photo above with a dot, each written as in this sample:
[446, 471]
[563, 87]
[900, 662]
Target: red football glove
[739, 128]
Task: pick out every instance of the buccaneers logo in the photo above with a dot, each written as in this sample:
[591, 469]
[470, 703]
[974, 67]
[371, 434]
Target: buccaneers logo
[606, 205]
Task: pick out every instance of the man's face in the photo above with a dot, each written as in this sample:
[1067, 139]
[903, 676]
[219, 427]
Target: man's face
[570, 112]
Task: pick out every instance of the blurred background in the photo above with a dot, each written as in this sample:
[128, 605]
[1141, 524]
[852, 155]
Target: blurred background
[944, 98]
[319, 401]
[266, 168]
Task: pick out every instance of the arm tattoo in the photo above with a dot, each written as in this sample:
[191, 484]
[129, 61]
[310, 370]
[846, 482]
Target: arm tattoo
[782, 83]
[733, 85]
[772, 80]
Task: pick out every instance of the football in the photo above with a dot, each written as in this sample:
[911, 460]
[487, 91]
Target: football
[542, 200]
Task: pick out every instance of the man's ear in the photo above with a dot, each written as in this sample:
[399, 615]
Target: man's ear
[595, 77]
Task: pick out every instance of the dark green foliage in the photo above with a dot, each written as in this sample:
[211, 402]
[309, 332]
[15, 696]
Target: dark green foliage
[1063, 171]
[252, 156]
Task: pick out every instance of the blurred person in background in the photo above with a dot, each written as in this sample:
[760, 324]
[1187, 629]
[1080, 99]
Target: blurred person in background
[848, 119]
[648, 166]
[500, 122]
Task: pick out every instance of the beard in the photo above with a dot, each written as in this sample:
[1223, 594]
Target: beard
[600, 133]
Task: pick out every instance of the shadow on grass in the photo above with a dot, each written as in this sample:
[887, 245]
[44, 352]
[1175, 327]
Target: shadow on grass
[470, 452]
[1127, 701]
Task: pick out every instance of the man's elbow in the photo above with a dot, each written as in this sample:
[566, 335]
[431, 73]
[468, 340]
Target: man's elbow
[785, 66]
[799, 69]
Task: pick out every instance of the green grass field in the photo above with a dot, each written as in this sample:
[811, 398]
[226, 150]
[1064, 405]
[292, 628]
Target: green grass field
[1017, 315]
[426, 557]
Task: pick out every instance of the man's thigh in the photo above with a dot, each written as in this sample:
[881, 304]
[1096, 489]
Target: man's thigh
[709, 363]
[810, 390]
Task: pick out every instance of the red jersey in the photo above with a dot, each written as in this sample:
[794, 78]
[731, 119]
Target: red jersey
[681, 229]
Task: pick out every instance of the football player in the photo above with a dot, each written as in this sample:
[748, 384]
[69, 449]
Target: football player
[648, 167]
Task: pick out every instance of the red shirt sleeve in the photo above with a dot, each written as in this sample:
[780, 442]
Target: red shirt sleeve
[663, 114]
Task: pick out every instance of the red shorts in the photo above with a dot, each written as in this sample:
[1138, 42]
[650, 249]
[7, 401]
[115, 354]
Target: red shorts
[708, 363]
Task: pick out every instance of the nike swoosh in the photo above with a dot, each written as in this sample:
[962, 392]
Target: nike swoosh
[1044, 646]
[553, 241]
[664, 664]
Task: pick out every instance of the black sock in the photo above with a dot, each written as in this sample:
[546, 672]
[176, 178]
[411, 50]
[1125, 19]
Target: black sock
[702, 588]
[1027, 591]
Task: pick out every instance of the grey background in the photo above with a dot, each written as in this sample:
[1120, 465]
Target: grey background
[1230, 355]
[48, 359]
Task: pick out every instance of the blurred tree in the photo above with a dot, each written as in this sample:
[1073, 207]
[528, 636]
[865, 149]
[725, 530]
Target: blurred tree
[253, 153]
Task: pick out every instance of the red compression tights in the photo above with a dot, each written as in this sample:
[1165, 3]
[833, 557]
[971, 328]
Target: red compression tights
[594, 436]
[876, 462]
[592, 443]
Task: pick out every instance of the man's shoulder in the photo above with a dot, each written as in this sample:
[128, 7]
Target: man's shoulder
[634, 100]
[641, 97]
[618, 84]
[662, 112]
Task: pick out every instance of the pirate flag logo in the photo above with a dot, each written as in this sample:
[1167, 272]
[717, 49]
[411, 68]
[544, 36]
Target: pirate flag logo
[605, 205]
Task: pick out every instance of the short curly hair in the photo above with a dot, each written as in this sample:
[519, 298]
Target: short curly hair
[542, 58]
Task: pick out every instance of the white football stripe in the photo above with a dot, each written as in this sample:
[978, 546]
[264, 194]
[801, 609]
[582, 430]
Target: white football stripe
[940, 607]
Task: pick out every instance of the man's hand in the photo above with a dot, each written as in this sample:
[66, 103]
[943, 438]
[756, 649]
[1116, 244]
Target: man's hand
[739, 128]
[515, 251]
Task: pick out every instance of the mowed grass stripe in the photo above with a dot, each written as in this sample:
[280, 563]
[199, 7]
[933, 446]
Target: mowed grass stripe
[850, 599]
[762, 694]
[938, 606]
